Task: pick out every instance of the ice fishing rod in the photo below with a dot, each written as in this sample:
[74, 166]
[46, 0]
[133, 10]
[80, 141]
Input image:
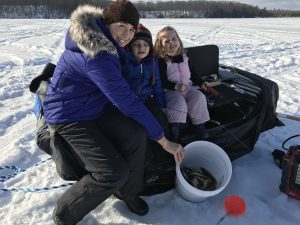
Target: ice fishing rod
[241, 82]
[240, 89]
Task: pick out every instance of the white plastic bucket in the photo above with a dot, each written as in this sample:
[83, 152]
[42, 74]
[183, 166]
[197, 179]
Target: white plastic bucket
[210, 157]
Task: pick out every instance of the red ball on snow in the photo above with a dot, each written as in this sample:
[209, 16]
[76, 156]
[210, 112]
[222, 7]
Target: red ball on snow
[235, 205]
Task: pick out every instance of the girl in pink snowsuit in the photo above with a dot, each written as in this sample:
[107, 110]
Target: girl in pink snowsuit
[182, 98]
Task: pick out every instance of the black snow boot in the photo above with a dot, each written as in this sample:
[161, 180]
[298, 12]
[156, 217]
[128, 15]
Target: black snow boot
[136, 204]
[57, 220]
[202, 132]
[175, 132]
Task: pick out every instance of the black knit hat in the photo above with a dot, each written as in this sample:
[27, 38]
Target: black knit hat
[142, 33]
[121, 11]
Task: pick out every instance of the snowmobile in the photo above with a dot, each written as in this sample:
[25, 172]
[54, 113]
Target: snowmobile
[241, 106]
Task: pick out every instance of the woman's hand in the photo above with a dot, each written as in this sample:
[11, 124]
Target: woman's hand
[173, 148]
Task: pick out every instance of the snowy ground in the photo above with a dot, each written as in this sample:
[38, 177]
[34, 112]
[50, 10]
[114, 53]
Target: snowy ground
[268, 47]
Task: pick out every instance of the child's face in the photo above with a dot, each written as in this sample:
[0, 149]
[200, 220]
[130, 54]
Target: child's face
[170, 42]
[140, 49]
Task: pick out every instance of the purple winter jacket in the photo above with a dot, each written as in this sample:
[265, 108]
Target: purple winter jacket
[88, 77]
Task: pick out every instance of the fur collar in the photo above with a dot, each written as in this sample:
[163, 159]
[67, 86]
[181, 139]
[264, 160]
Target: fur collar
[86, 32]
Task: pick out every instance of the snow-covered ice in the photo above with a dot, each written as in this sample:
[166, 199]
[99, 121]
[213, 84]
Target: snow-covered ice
[268, 47]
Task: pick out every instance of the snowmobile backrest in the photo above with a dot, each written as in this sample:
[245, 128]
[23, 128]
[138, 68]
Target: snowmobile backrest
[204, 62]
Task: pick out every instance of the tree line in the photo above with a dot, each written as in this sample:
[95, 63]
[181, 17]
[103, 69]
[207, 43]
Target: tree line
[167, 9]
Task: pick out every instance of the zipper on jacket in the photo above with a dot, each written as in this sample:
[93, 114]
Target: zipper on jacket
[141, 67]
[180, 74]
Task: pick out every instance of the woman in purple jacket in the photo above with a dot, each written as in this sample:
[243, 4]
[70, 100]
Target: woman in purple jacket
[91, 106]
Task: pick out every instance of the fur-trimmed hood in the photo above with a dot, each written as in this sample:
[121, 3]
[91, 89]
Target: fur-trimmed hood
[86, 31]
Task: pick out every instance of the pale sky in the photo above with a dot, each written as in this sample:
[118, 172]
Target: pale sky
[269, 4]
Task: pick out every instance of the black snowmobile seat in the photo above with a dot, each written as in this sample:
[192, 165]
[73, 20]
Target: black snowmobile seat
[204, 66]
[204, 63]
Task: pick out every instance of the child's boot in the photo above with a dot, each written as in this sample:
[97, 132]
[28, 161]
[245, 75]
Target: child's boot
[174, 132]
[202, 132]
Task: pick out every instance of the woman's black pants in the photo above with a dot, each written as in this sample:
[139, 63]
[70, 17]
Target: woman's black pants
[112, 151]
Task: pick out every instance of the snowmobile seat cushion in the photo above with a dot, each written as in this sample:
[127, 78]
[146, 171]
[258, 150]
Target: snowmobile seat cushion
[204, 63]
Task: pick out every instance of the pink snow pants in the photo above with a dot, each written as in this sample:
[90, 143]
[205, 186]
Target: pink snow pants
[191, 102]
